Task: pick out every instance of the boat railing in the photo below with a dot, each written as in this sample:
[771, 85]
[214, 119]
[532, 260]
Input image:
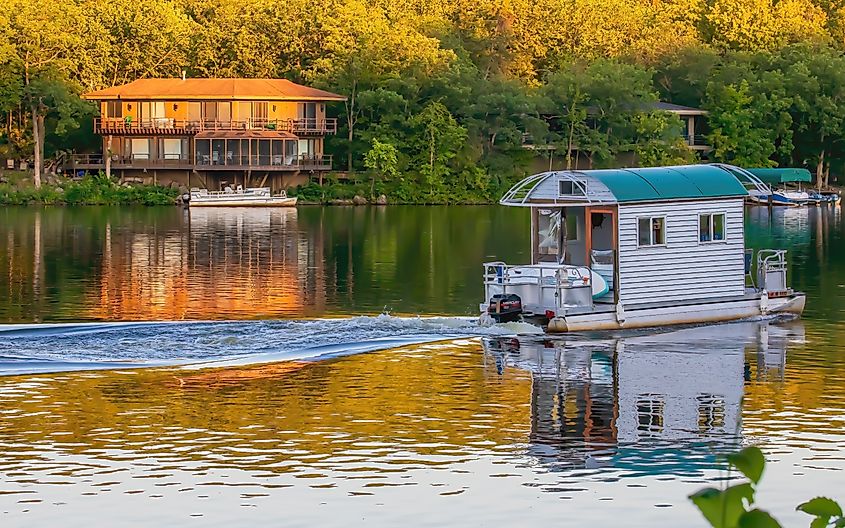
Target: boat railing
[250, 191]
[771, 271]
[552, 285]
[746, 178]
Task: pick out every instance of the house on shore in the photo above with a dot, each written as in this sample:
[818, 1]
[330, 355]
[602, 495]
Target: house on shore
[211, 132]
[551, 157]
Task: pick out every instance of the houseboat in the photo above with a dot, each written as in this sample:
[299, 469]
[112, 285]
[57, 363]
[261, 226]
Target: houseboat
[238, 197]
[634, 248]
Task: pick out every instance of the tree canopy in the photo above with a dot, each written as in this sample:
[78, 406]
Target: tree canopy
[475, 79]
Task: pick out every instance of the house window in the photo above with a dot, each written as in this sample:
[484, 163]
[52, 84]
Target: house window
[194, 111]
[140, 148]
[307, 111]
[114, 109]
[572, 188]
[711, 227]
[173, 149]
[651, 231]
[259, 113]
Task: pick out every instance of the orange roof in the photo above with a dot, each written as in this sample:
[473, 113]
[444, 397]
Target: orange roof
[213, 89]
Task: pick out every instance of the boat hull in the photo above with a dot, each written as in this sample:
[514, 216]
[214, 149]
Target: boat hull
[676, 314]
[273, 202]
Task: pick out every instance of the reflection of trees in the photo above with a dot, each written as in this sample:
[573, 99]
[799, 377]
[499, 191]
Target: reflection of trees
[158, 263]
[410, 402]
[413, 259]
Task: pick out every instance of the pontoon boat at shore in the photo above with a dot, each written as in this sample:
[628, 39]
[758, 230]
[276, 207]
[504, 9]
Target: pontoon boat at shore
[633, 248]
[239, 197]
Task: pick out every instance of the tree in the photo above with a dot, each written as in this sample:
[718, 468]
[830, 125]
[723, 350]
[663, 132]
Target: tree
[738, 136]
[439, 138]
[383, 162]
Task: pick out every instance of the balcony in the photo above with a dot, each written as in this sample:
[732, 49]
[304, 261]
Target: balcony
[166, 126]
[696, 141]
[206, 163]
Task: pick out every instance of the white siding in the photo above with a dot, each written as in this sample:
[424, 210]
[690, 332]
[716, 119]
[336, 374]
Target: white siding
[683, 269]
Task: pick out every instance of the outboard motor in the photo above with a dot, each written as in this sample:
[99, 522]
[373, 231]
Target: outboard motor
[505, 308]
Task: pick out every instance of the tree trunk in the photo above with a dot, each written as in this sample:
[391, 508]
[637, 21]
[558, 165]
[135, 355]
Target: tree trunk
[820, 171]
[38, 138]
[108, 157]
[350, 124]
[569, 146]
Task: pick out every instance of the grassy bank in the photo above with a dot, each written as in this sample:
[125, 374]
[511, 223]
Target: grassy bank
[397, 193]
[91, 190]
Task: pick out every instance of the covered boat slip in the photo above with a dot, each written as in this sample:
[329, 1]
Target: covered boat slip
[634, 247]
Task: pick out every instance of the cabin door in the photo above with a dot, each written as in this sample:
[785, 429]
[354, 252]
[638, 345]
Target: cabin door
[601, 246]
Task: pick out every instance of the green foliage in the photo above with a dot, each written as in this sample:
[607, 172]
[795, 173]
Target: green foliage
[733, 506]
[474, 79]
[91, 190]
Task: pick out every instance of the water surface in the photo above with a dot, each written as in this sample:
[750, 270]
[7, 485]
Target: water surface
[321, 411]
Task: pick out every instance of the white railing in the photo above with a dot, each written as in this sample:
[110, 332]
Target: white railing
[540, 286]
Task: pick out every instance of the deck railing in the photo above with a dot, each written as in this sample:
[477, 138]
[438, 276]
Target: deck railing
[170, 126]
[267, 162]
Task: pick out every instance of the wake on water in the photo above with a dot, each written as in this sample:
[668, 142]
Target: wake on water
[33, 348]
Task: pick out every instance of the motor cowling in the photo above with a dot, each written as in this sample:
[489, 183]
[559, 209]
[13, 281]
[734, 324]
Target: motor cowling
[504, 308]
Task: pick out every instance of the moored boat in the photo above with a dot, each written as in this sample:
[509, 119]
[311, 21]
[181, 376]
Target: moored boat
[239, 197]
[668, 244]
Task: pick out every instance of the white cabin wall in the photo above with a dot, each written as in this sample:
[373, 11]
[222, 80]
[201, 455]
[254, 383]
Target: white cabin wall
[684, 388]
[683, 269]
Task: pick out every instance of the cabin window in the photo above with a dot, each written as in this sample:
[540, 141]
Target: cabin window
[571, 224]
[650, 408]
[711, 227]
[572, 188]
[651, 231]
[711, 413]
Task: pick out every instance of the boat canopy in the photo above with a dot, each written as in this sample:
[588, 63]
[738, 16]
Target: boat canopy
[784, 175]
[688, 182]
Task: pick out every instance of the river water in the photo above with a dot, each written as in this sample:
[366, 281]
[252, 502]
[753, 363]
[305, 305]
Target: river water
[322, 366]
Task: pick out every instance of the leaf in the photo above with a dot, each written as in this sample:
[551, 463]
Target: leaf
[750, 462]
[820, 522]
[821, 507]
[757, 519]
[722, 509]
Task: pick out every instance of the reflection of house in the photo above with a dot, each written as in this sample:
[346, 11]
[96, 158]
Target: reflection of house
[207, 132]
[226, 264]
[645, 403]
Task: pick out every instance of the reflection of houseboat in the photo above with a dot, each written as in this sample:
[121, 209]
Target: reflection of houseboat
[239, 197]
[657, 402]
[634, 248]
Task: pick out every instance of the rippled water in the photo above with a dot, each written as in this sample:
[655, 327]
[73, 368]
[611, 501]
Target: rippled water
[382, 420]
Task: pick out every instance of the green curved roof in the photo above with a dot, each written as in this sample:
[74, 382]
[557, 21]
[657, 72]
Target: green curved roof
[669, 183]
[784, 175]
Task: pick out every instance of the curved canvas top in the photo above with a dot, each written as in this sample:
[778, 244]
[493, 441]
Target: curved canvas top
[782, 175]
[624, 185]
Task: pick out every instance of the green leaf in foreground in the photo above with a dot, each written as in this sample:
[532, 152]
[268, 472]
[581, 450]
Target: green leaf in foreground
[757, 519]
[821, 507]
[723, 508]
[750, 461]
